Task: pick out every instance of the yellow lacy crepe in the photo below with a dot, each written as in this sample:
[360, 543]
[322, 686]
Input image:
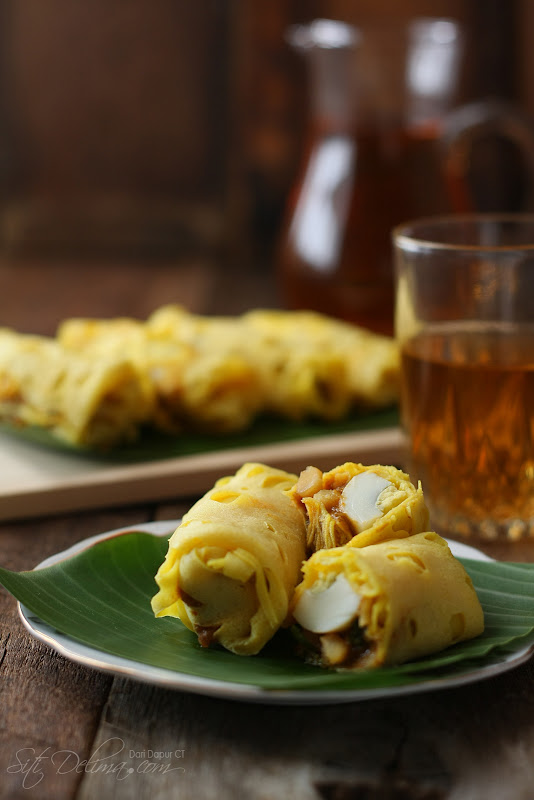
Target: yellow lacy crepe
[416, 599]
[192, 385]
[94, 404]
[310, 365]
[297, 379]
[402, 506]
[218, 374]
[234, 561]
[371, 362]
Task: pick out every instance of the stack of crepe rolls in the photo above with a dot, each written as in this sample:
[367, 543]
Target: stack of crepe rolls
[384, 604]
[298, 379]
[192, 386]
[309, 364]
[86, 403]
[218, 374]
[235, 559]
[358, 504]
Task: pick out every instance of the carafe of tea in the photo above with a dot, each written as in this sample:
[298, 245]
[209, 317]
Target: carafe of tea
[383, 146]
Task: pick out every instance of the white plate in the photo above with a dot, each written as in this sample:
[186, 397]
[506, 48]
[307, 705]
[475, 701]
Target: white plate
[106, 662]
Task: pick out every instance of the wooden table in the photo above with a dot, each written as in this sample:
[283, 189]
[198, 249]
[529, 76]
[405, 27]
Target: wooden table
[469, 743]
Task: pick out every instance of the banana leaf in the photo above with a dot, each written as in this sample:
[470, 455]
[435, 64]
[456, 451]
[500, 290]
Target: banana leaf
[154, 445]
[101, 598]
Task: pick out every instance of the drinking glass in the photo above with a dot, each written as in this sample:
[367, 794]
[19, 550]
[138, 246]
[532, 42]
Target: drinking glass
[464, 320]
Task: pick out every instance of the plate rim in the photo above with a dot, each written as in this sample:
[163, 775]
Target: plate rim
[165, 678]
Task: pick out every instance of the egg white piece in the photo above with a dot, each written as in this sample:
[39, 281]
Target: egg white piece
[329, 610]
[359, 499]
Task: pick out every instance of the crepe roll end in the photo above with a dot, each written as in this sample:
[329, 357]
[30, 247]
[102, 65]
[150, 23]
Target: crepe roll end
[359, 505]
[225, 597]
[384, 604]
[211, 586]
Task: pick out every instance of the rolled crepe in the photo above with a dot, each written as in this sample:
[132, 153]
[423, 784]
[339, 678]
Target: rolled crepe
[234, 561]
[302, 383]
[173, 322]
[218, 372]
[192, 386]
[371, 361]
[122, 337]
[85, 403]
[298, 379]
[302, 378]
[385, 604]
[359, 505]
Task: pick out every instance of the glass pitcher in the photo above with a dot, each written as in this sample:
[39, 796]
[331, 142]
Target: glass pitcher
[383, 146]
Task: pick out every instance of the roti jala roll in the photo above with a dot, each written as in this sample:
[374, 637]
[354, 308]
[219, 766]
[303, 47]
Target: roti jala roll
[192, 385]
[360, 505]
[303, 383]
[298, 379]
[94, 404]
[384, 604]
[371, 361]
[233, 562]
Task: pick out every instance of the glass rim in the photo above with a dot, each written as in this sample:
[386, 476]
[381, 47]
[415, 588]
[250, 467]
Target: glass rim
[329, 33]
[405, 236]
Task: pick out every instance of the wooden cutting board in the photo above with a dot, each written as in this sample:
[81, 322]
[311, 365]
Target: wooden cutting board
[36, 481]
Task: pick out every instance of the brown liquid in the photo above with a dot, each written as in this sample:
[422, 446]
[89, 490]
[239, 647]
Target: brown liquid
[336, 254]
[468, 409]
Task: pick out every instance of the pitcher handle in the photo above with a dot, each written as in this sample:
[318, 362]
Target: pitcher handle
[464, 126]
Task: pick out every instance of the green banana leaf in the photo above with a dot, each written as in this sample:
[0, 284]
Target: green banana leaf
[101, 597]
[152, 445]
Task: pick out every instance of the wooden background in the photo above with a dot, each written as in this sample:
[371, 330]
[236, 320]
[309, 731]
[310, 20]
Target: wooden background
[169, 127]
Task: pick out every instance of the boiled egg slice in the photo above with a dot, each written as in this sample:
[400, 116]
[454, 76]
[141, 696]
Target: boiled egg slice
[329, 610]
[359, 499]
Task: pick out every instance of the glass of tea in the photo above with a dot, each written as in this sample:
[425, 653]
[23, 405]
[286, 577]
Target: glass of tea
[464, 320]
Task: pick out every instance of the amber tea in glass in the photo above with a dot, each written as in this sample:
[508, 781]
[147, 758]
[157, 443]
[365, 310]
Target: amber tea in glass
[465, 325]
